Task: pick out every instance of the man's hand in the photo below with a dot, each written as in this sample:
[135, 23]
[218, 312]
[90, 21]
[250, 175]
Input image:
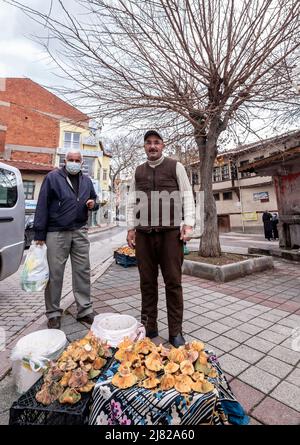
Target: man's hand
[185, 232]
[131, 238]
[39, 242]
[90, 204]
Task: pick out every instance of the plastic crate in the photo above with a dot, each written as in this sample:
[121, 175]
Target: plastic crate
[28, 411]
[125, 260]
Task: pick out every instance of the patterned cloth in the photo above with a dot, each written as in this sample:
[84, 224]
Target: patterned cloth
[140, 406]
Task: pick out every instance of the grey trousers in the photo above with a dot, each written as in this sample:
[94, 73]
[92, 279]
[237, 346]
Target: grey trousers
[59, 246]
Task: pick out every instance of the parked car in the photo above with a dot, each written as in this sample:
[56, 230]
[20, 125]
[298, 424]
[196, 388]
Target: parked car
[12, 216]
[29, 232]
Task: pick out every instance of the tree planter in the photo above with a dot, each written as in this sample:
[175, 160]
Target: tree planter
[227, 272]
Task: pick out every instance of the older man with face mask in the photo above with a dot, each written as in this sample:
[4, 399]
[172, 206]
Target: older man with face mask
[61, 222]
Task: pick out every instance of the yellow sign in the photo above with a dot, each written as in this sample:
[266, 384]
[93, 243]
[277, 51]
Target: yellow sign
[249, 216]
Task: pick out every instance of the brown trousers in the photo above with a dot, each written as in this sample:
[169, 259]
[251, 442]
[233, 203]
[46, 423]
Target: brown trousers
[162, 248]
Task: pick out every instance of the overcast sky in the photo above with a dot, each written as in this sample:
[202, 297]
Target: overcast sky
[20, 53]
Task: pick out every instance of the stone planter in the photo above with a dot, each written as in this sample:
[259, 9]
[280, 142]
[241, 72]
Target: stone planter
[227, 272]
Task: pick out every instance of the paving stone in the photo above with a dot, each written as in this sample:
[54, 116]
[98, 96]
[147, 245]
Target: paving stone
[284, 354]
[72, 328]
[189, 327]
[247, 353]
[214, 315]
[233, 365]
[260, 322]
[223, 343]
[225, 310]
[232, 322]
[259, 379]
[287, 393]
[198, 309]
[204, 334]
[260, 344]
[200, 320]
[271, 336]
[247, 396]
[274, 366]
[77, 335]
[242, 316]
[294, 377]
[271, 317]
[272, 412]
[283, 330]
[237, 335]
[218, 327]
[250, 328]
[289, 323]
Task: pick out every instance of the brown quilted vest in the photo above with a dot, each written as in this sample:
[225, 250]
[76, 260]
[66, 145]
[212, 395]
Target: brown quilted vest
[160, 212]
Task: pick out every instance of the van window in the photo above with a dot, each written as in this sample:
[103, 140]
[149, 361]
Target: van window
[8, 188]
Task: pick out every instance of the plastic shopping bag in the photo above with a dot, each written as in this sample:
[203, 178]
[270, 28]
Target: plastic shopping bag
[35, 274]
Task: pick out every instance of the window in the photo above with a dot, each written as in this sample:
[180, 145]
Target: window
[217, 174]
[227, 196]
[104, 174]
[88, 166]
[221, 173]
[242, 164]
[29, 187]
[225, 172]
[217, 196]
[8, 188]
[71, 140]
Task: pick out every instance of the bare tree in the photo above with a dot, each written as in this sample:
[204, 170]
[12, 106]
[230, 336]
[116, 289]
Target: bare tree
[196, 66]
[126, 155]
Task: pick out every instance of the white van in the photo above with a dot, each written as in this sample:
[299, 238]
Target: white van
[12, 219]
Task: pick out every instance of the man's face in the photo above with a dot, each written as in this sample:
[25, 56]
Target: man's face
[74, 157]
[153, 148]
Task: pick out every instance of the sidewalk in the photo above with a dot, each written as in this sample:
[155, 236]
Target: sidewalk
[249, 323]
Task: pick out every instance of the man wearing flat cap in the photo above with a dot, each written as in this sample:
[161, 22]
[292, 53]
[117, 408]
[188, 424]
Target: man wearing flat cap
[160, 217]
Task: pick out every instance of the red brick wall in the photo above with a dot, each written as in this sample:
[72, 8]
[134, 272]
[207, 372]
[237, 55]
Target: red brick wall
[26, 125]
[32, 95]
[30, 128]
[2, 141]
[41, 158]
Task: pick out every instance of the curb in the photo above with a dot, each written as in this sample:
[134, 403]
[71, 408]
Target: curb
[227, 272]
[39, 323]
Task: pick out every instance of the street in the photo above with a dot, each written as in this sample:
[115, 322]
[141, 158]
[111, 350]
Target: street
[18, 308]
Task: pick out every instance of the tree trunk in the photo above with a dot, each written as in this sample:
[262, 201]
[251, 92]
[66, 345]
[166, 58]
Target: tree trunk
[209, 242]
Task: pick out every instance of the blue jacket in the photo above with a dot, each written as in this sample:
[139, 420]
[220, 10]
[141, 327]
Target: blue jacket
[58, 207]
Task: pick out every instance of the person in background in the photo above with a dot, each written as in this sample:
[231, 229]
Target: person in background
[267, 218]
[60, 221]
[160, 243]
[274, 226]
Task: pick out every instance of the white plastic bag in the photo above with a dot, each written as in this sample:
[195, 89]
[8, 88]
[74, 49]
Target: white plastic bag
[35, 274]
[32, 354]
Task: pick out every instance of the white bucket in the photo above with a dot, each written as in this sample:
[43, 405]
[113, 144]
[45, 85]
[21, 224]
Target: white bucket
[32, 353]
[113, 328]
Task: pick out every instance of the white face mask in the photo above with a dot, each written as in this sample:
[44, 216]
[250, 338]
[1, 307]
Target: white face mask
[73, 167]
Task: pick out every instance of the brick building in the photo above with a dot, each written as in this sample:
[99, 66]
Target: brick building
[36, 129]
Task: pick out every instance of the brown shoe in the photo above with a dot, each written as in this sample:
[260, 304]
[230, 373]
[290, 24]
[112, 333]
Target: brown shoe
[54, 323]
[89, 318]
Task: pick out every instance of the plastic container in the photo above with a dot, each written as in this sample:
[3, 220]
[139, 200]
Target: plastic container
[113, 328]
[32, 353]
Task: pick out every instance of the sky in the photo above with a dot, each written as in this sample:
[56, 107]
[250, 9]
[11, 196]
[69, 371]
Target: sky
[20, 53]
[20, 56]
